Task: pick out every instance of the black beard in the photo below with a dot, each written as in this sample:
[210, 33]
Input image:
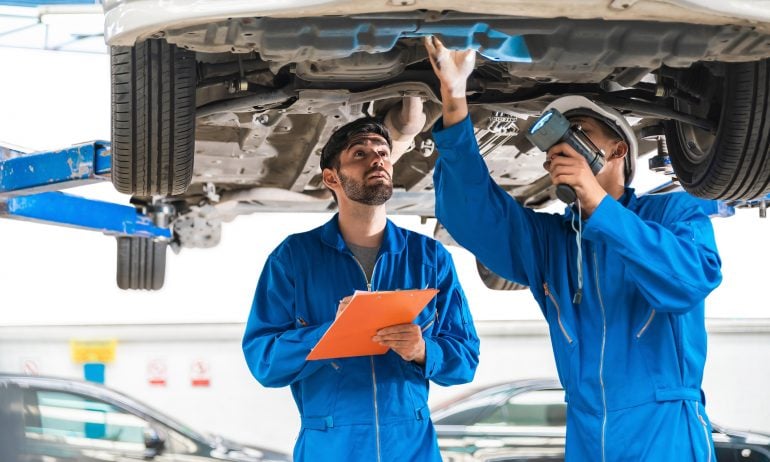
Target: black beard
[376, 194]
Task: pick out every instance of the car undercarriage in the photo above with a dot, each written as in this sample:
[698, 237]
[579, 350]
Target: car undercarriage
[215, 119]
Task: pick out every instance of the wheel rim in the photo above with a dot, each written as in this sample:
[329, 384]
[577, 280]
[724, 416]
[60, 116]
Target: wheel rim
[698, 143]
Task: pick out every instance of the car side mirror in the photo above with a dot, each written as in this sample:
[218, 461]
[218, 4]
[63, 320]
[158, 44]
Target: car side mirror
[154, 444]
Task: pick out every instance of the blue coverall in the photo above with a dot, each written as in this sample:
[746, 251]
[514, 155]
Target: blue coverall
[371, 408]
[631, 354]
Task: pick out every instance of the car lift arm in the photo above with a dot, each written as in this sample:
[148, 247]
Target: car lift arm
[27, 183]
[67, 210]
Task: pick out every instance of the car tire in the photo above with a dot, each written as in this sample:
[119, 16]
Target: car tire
[153, 118]
[733, 162]
[495, 282]
[141, 263]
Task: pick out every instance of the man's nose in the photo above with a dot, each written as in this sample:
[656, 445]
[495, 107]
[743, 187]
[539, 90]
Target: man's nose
[379, 158]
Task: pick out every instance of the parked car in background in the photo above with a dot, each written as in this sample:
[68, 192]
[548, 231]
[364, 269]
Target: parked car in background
[221, 108]
[525, 420]
[45, 419]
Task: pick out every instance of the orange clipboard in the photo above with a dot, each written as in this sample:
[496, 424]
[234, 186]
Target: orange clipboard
[351, 333]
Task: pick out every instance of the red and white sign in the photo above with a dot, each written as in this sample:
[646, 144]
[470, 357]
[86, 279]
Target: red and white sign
[157, 372]
[200, 373]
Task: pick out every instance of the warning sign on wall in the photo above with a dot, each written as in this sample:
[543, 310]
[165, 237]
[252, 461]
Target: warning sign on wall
[157, 372]
[30, 366]
[200, 373]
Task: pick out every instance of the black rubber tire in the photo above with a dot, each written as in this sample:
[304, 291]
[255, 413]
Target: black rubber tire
[153, 118]
[141, 263]
[495, 282]
[734, 162]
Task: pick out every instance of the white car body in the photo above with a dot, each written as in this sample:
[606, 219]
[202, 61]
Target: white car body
[127, 21]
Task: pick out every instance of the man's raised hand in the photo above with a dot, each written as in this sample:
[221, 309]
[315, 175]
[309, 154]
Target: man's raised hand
[451, 67]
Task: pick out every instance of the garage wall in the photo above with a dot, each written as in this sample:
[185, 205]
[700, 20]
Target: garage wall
[237, 407]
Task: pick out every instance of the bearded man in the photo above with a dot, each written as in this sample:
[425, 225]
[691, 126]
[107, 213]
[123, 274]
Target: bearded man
[370, 408]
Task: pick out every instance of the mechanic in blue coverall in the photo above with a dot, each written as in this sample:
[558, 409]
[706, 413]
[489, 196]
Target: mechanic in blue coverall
[370, 408]
[620, 279]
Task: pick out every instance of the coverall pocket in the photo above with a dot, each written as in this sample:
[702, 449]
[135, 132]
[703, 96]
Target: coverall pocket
[562, 337]
[300, 320]
[555, 317]
[414, 381]
[641, 329]
[321, 390]
[427, 320]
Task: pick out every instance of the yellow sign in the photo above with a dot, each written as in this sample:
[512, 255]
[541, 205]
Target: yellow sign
[93, 351]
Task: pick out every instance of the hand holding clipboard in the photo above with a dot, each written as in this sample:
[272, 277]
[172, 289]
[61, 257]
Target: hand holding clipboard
[351, 333]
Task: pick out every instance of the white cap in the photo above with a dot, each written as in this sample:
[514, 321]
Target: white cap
[574, 105]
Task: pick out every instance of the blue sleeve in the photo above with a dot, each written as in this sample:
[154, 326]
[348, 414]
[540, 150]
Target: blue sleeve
[507, 237]
[675, 263]
[452, 352]
[274, 345]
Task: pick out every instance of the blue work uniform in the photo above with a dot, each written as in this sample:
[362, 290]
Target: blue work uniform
[630, 355]
[371, 408]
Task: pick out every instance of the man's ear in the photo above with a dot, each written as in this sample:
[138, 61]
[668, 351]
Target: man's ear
[620, 151]
[330, 178]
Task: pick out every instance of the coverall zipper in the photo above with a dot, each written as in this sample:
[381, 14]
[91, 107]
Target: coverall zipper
[376, 410]
[371, 360]
[705, 429]
[601, 360]
[368, 283]
[427, 326]
[646, 325]
[558, 312]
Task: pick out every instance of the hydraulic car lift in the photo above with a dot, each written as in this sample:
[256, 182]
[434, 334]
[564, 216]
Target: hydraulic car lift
[29, 185]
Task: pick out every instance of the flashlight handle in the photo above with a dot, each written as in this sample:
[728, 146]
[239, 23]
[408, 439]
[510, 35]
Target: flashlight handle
[586, 148]
[566, 193]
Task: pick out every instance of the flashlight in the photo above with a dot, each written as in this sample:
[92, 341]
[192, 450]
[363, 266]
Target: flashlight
[552, 128]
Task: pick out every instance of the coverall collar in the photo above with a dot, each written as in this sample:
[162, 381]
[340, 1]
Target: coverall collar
[392, 240]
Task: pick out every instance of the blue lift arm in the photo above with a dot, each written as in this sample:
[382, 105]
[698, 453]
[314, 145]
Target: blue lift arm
[55, 170]
[27, 183]
[62, 209]
[715, 208]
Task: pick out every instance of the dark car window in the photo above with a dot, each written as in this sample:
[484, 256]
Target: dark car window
[81, 421]
[542, 408]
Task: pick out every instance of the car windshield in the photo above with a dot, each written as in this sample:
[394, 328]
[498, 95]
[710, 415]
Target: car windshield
[470, 410]
[540, 408]
[507, 408]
